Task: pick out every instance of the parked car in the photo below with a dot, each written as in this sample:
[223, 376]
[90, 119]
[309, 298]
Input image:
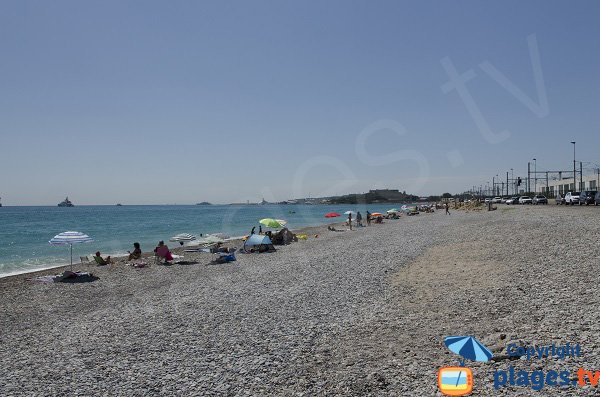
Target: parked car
[559, 200]
[540, 199]
[515, 200]
[587, 197]
[504, 199]
[525, 200]
[597, 199]
[497, 200]
[572, 198]
[487, 200]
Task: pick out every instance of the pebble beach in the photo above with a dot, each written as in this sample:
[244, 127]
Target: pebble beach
[354, 313]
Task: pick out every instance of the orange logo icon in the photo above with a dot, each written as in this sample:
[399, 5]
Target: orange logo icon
[455, 381]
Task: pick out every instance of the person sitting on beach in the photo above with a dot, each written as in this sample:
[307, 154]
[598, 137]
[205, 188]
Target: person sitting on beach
[162, 251]
[137, 252]
[101, 261]
[219, 248]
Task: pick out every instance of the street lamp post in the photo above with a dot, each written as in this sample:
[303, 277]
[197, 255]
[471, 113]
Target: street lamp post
[534, 176]
[512, 177]
[574, 171]
[496, 192]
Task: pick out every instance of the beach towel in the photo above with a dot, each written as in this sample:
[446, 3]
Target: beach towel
[66, 277]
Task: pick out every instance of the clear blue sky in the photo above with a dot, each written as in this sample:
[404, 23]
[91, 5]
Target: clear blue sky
[223, 101]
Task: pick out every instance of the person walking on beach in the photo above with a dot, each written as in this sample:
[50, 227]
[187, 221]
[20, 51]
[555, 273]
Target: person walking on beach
[368, 218]
[350, 220]
[447, 208]
[252, 231]
[358, 219]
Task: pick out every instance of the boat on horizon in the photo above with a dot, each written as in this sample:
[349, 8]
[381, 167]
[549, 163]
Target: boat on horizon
[66, 203]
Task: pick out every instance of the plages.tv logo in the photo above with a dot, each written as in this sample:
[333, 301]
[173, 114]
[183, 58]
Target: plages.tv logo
[458, 381]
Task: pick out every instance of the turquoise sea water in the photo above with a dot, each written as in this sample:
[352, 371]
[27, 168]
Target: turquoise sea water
[25, 231]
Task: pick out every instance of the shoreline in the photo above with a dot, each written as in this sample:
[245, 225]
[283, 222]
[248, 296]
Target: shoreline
[29, 252]
[121, 258]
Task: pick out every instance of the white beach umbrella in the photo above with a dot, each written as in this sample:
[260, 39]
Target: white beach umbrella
[70, 238]
[183, 237]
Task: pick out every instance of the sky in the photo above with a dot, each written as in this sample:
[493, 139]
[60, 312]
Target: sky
[156, 102]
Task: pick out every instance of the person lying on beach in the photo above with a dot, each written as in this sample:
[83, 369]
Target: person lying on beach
[333, 229]
[162, 251]
[137, 252]
[101, 261]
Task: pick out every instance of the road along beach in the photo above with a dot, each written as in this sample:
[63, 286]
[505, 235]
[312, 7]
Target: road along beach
[360, 312]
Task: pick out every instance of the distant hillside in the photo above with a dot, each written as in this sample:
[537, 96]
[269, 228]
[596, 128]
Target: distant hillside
[375, 196]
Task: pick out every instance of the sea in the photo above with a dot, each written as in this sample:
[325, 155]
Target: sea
[25, 231]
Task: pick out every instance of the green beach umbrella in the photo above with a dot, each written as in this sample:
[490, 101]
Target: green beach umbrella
[270, 222]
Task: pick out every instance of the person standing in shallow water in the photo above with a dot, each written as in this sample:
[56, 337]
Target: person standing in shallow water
[447, 208]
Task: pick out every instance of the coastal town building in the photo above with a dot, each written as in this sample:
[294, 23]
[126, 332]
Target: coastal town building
[551, 188]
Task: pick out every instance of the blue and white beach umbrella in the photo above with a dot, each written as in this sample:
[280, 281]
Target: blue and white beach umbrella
[183, 237]
[468, 347]
[70, 238]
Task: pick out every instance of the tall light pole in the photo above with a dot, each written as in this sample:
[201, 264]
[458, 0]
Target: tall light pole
[574, 171]
[534, 176]
[512, 176]
[496, 193]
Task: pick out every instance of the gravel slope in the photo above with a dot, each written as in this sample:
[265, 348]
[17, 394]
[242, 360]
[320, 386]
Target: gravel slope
[353, 313]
